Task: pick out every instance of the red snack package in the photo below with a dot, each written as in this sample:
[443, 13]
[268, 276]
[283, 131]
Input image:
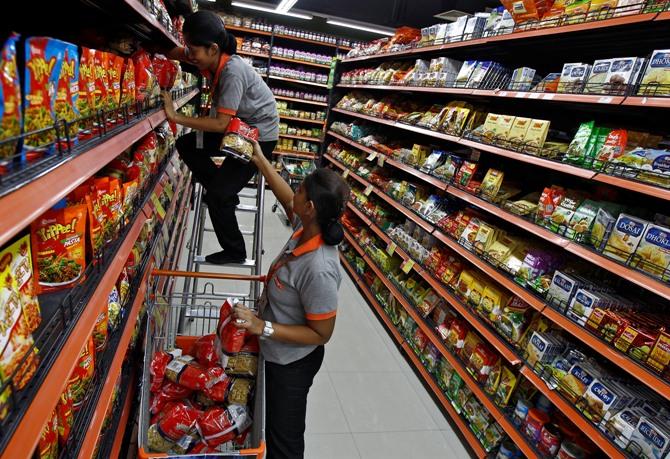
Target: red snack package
[165, 71]
[10, 100]
[232, 338]
[158, 365]
[179, 420]
[219, 425]
[252, 345]
[108, 195]
[187, 373]
[48, 443]
[115, 73]
[87, 98]
[146, 151]
[480, 362]
[218, 391]
[82, 375]
[205, 352]
[236, 142]
[144, 75]
[65, 414]
[128, 85]
[84, 194]
[170, 392]
[527, 10]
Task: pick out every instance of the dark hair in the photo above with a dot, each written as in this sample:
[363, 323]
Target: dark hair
[203, 28]
[329, 193]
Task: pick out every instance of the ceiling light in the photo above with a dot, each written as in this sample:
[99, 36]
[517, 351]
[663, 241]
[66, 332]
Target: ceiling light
[251, 6]
[286, 5]
[360, 27]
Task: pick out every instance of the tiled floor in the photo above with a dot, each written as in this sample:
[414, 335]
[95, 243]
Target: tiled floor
[366, 401]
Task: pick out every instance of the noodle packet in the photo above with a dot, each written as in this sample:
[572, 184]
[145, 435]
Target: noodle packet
[87, 97]
[108, 195]
[232, 338]
[83, 194]
[65, 415]
[220, 425]
[10, 102]
[145, 82]
[186, 372]
[58, 239]
[67, 94]
[82, 375]
[47, 446]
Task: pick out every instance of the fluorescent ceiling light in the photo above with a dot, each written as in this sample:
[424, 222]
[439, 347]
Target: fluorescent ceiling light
[286, 5]
[351, 25]
[251, 6]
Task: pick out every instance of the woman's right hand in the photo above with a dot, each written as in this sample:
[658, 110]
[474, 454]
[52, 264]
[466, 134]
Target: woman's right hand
[258, 155]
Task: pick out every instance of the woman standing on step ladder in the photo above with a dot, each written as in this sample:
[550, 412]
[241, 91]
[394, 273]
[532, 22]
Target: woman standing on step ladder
[236, 90]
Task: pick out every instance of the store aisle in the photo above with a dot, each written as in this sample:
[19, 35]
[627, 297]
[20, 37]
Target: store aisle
[366, 401]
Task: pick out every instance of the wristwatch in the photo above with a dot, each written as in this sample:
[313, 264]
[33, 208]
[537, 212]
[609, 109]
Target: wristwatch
[268, 330]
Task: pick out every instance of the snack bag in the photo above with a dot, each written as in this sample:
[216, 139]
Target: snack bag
[145, 81]
[231, 337]
[113, 308]
[187, 373]
[219, 425]
[58, 239]
[83, 195]
[100, 331]
[86, 104]
[102, 93]
[108, 195]
[82, 375]
[205, 352]
[47, 447]
[236, 141]
[115, 74]
[128, 95]
[67, 93]
[175, 431]
[10, 101]
[65, 415]
[44, 57]
[527, 10]
[170, 392]
[165, 71]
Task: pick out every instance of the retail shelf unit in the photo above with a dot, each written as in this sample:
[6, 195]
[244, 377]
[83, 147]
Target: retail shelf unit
[619, 106]
[300, 94]
[69, 318]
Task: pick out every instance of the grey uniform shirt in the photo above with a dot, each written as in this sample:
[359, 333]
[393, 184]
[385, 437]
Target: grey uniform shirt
[242, 92]
[304, 284]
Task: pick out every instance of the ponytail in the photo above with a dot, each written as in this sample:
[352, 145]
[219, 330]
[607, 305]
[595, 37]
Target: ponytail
[204, 28]
[330, 194]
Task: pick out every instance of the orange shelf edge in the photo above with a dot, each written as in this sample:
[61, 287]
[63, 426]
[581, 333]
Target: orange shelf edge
[584, 425]
[295, 118]
[292, 80]
[140, 9]
[651, 190]
[647, 101]
[300, 137]
[250, 54]
[247, 30]
[295, 154]
[299, 61]
[25, 437]
[305, 101]
[359, 214]
[307, 40]
[123, 421]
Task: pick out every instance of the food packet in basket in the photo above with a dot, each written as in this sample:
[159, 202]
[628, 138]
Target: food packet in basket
[232, 338]
[175, 430]
[170, 392]
[205, 351]
[220, 425]
[237, 141]
[158, 365]
[186, 372]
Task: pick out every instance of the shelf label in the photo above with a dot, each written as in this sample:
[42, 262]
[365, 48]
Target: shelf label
[381, 160]
[345, 174]
[534, 95]
[390, 249]
[158, 206]
[368, 190]
[549, 96]
[502, 93]
[644, 101]
[520, 95]
[605, 100]
[372, 156]
[407, 266]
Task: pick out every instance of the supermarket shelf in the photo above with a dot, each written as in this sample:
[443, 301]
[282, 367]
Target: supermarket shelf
[123, 420]
[463, 310]
[245, 30]
[26, 435]
[141, 11]
[583, 424]
[304, 120]
[408, 88]
[105, 400]
[535, 160]
[397, 164]
[299, 61]
[647, 101]
[471, 439]
[545, 32]
[291, 80]
[295, 154]
[306, 40]
[250, 54]
[507, 426]
[301, 137]
[27, 203]
[303, 101]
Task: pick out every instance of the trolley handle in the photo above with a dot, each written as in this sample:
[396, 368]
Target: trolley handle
[226, 276]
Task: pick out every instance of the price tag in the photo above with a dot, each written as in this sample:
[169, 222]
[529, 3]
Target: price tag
[390, 249]
[407, 266]
[381, 159]
[549, 96]
[368, 190]
[520, 95]
[534, 95]
[644, 101]
[502, 93]
[372, 156]
[345, 174]
[158, 206]
[605, 100]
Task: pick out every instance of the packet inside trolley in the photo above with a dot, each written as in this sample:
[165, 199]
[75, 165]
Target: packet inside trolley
[237, 141]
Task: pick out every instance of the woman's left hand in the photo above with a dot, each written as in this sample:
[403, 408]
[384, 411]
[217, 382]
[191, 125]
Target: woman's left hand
[170, 112]
[248, 320]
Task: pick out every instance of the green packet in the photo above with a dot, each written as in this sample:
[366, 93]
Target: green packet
[577, 148]
[596, 142]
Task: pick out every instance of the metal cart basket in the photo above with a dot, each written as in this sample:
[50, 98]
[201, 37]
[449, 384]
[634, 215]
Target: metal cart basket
[294, 171]
[163, 333]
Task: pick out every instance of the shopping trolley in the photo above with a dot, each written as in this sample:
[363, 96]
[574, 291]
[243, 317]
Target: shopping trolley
[164, 332]
[294, 171]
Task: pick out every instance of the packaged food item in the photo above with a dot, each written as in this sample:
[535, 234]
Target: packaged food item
[602, 228]
[58, 239]
[625, 237]
[158, 365]
[43, 57]
[613, 148]
[65, 416]
[175, 431]
[659, 357]
[219, 425]
[47, 446]
[583, 304]
[508, 381]
[128, 95]
[653, 252]
[563, 214]
[656, 78]
[620, 75]
[492, 183]
[543, 348]
[595, 84]
[519, 129]
[573, 77]
[577, 150]
[165, 71]
[170, 392]
[232, 338]
[652, 437]
[537, 134]
[186, 372]
[113, 308]
[236, 142]
[100, 331]
[10, 101]
[146, 85]
[636, 341]
[108, 196]
[579, 378]
[535, 421]
[582, 221]
[563, 287]
[82, 375]
[205, 352]
[67, 91]
[86, 99]
[652, 165]
[84, 195]
[480, 362]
